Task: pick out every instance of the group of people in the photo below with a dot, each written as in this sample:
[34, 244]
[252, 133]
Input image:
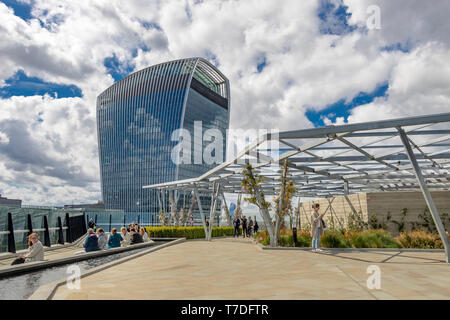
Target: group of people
[248, 226]
[98, 240]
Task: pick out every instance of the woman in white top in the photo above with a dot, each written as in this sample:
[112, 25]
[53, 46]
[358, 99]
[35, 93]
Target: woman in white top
[35, 249]
[126, 237]
[144, 234]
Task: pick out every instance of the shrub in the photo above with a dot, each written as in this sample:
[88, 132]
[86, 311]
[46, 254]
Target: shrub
[265, 241]
[303, 239]
[187, 232]
[285, 241]
[420, 239]
[334, 239]
[375, 238]
[260, 235]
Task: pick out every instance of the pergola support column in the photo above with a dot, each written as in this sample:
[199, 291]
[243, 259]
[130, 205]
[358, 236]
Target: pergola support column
[346, 192]
[426, 193]
[212, 212]
[227, 212]
[197, 195]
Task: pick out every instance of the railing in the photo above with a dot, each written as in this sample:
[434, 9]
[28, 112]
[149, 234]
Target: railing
[62, 231]
[70, 235]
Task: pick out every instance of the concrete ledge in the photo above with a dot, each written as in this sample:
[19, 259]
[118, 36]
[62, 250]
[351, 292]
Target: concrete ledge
[32, 266]
[352, 249]
[47, 291]
[9, 255]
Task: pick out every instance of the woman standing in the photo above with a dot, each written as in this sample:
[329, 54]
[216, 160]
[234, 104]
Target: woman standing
[316, 228]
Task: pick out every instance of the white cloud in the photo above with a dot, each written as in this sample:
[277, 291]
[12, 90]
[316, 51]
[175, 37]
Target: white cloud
[304, 69]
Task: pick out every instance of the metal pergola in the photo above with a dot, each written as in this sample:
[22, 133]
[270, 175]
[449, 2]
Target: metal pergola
[405, 154]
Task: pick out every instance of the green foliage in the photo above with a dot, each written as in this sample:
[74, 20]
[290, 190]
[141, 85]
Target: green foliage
[265, 241]
[374, 223]
[428, 222]
[355, 222]
[251, 182]
[286, 239]
[334, 239]
[420, 239]
[304, 239]
[164, 218]
[402, 223]
[374, 239]
[187, 232]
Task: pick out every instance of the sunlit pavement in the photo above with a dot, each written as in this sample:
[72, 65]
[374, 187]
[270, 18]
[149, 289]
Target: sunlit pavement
[238, 269]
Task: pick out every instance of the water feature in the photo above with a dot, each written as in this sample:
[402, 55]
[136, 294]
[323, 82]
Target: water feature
[23, 286]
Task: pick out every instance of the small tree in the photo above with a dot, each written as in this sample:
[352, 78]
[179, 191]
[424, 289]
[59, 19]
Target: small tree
[283, 208]
[251, 184]
[163, 218]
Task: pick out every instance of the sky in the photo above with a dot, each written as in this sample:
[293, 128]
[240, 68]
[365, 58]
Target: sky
[301, 64]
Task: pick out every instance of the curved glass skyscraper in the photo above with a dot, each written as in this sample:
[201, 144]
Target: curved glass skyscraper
[136, 117]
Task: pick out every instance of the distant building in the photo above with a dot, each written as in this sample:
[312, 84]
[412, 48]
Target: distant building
[136, 118]
[10, 202]
[98, 205]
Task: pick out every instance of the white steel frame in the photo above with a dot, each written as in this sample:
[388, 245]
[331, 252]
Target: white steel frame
[406, 154]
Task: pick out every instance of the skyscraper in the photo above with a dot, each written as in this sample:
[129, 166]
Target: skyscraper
[136, 118]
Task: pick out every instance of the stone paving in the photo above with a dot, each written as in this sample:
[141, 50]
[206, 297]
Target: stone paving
[239, 269]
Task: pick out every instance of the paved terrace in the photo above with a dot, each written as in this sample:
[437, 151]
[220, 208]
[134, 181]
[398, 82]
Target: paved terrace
[239, 269]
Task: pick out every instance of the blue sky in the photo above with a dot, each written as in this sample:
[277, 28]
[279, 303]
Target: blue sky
[21, 9]
[289, 67]
[22, 85]
[342, 108]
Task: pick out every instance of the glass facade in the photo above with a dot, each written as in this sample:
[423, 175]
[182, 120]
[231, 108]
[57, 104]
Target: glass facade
[135, 120]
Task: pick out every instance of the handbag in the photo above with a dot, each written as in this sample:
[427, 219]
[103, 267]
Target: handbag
[324, 225]
[18, 261]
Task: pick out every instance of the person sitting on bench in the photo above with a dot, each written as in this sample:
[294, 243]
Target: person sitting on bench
[35, 251]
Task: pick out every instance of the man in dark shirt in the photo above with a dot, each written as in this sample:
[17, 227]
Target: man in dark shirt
[135, 237]
[244, 226]
[236, 224]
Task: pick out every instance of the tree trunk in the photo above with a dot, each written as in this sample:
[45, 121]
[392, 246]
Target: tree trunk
[173, 208]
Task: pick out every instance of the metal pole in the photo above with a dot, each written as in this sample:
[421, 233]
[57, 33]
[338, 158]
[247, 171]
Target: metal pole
[11, 240]
[200, 208]
[346, 187]
[60, 232]
[110, 222]
[68, 233]
[30, 224]
[47, 242]
[426, 193]
[84, 224]
[227, 212]
[212, 212]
